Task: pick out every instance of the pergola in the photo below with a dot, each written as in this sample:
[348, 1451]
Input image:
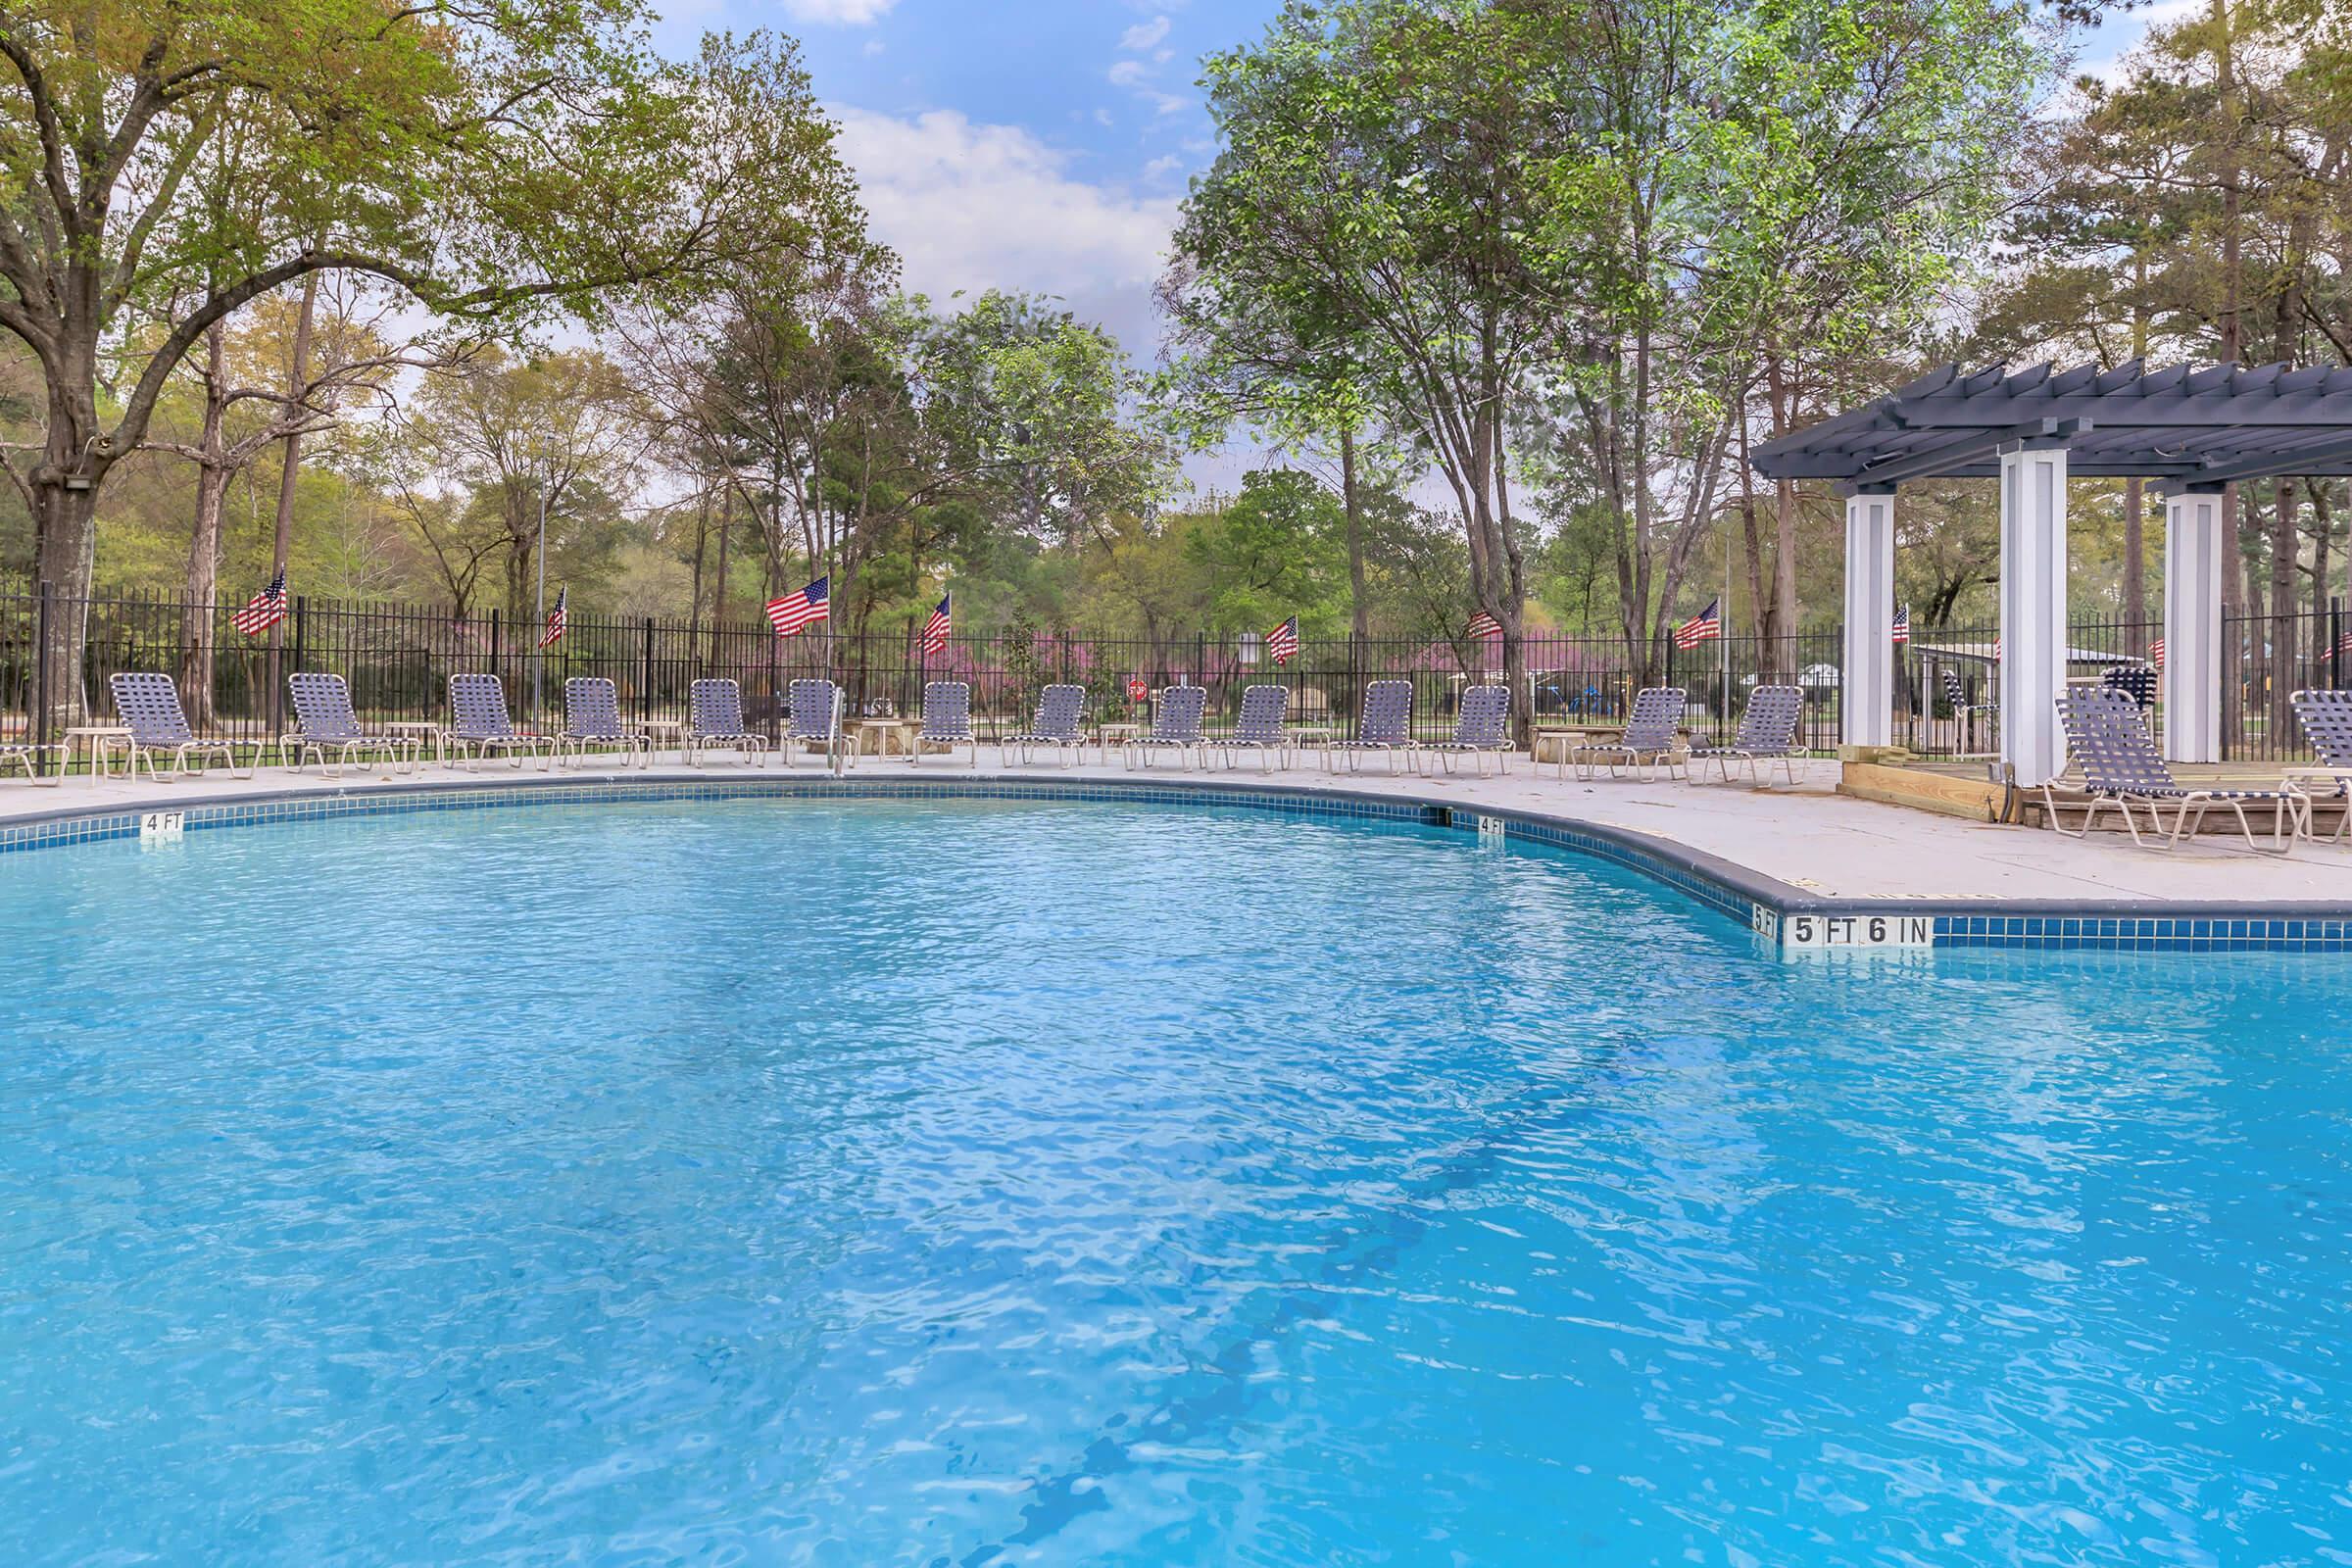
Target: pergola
[2193, 430]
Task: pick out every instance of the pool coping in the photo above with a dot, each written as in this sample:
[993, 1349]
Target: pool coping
[1791, 918]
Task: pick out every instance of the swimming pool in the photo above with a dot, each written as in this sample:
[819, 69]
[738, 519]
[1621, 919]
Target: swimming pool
[873, 1182]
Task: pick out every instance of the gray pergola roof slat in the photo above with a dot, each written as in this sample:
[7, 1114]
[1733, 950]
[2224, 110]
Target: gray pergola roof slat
[2195, 424]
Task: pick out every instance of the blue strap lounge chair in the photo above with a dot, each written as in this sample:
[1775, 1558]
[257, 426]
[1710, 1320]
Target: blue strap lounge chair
[2326, 720]
[1386, 727]
[326, 728]
[715, 723]
[25, 757]
[947, 721]
[2122, 768]
[592, 718]
[1262, 727]
[1653, 740]
[1060, 709]
[1176, 729]
[1481, 728]
[1766, 737]
[816, 724]
[478, 723]
[2135, 681]
[149, 704]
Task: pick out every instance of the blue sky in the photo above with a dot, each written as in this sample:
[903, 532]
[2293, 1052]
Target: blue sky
[1043, 144]
[1040, 145]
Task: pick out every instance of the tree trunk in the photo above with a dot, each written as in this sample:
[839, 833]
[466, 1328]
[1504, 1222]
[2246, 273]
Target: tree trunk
[2136, 571]
[1781, 622]
[202, 588]
[2285, 642]
[203, 595]
[718, 592]
[64, 510]
[1359, 624]
[298, 381]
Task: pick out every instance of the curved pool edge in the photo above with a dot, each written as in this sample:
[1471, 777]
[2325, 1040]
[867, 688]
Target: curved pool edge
[1788, 917]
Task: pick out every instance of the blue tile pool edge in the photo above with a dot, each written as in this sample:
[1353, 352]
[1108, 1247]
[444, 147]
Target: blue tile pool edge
[1784, 915]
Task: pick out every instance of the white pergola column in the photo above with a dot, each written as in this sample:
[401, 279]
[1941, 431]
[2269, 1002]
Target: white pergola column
[1866, 713]
[2192, 625]
[2033, 632]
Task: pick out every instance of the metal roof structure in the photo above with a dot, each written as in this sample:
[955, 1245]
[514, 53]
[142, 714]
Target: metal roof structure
[2185, 424]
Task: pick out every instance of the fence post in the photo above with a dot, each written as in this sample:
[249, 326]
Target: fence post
[40, 682]
[2335, 643]
[645, 693]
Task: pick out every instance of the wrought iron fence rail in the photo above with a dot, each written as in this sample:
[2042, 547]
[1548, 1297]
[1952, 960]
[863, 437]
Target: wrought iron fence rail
[398, 658]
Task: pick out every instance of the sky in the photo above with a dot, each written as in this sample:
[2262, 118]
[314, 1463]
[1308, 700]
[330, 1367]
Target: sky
[1040, 145]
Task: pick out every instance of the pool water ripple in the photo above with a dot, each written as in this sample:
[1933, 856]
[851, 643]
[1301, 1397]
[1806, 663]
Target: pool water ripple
[1033, 1183]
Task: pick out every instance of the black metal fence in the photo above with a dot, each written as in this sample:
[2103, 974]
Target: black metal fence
[398, 658]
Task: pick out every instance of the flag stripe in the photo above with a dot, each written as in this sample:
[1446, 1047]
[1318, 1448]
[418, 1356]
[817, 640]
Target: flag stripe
[1702, 627]
[1282, 643]
[263, 610]
[797, 612]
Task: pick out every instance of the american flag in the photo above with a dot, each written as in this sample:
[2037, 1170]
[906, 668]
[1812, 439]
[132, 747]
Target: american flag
[1902, 624]
[559, 618]
[1704, 626]
[1282, 643]
[795, 614]
[936, 629]
[2156, 652]
[263, 610]
[1483, 624]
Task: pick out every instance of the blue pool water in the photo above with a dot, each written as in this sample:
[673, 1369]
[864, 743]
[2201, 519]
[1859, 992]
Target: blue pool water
[870, 1183]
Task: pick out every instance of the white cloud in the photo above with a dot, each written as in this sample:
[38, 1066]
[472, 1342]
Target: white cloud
[1127, 74]
[838, 13]
[1145, 35]
[976, 206]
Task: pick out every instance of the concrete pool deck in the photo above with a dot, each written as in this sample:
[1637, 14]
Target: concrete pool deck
[1807, 838]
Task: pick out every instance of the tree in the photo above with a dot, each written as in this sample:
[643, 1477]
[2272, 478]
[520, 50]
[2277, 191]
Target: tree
[552, 437]
[1574, 236]
[253, 391]
[486, 160]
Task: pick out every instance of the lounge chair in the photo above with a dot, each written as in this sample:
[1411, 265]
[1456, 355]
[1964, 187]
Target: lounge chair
[1767, 735]
[715, 723]
[25, 757]
[2135, 681]
[1059, 710]
[1386, 727]
[149, 704]
[1261, 727]
[478, 722]
[2326, 720]
[592, 718]
[2122, 768]
[1481, 728]
[328, 729]
[1652, 739]
[947, 720]
[816, 724]
[1965, 714]
[1175, 728]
